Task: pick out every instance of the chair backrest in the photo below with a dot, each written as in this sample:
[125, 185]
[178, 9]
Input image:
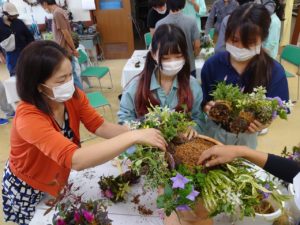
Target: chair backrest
[148, 39]
[96, 99]
[212, 33]
[291, 54]
[83, 58]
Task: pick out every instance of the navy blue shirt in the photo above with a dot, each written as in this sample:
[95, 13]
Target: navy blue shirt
[217, 67]
[22, 34]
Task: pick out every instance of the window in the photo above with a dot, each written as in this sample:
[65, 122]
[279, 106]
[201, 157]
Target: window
[110, 4]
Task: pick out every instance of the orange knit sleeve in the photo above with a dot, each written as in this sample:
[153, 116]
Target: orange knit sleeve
[36, 128]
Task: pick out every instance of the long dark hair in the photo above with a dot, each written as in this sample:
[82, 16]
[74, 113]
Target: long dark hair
[252, 21]
[279, 9]
[167, 39]
[36, 64]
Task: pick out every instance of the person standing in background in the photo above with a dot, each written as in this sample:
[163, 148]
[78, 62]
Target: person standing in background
[276, 10]
[158, 11]
[14, 36]
[62, 33]
[220, 9]
[188, 26]
[195, 9]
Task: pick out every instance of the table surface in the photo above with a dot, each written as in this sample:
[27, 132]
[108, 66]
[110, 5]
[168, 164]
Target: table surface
[130, 70]
[121, 213]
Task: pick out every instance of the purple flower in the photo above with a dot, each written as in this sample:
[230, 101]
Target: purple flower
[280, 102]
[183, 208]
[88, 216]
[192, 195]
[179, 181]
[266, 195]
[225, 78]
[108, 193]
[60, 221]
[296, 156]
[77, 216]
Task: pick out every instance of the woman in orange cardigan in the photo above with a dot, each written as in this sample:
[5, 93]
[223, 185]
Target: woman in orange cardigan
[45, 140]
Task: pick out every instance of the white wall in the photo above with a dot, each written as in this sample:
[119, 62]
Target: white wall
[39, 13]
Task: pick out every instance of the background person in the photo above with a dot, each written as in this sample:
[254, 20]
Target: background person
[158, 11]
[62, 33]
[11, 26]
[188, 25]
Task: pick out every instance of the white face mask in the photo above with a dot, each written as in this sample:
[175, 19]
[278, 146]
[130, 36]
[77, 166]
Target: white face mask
[242, 54]
[62, 92]
[171, 68]
[162, 12]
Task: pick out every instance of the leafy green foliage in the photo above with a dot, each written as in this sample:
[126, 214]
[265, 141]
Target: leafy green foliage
[227, 92]
[256, 103]
[116, 188]
[229, 188]
[150, 163]
[169, 122]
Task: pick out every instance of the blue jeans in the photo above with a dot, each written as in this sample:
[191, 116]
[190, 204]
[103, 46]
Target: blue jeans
[11, 61]
[77, 81]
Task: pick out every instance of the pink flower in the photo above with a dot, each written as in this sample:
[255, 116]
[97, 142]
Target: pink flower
[77, 216]
[108, 193]
[88, 216]
[60, 222]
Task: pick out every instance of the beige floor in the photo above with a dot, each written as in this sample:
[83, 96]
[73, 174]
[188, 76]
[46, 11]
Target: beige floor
[281, 134]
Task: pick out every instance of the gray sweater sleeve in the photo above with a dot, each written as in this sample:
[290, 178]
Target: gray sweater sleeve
[220, 45]
[210, 20]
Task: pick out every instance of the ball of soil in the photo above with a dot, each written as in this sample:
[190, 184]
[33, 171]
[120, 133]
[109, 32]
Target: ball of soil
[220, 112]
[189, 152]
[241, 123]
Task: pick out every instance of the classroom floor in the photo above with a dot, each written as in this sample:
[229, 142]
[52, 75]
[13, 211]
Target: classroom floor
[281, 133]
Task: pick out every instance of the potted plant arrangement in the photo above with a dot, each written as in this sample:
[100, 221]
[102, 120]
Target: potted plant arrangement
[72, 210]
[116, 188]
[235, 110]
[192, 191]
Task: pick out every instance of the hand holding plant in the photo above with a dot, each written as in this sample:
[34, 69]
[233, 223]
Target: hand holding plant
[238, 112]
[151, 137]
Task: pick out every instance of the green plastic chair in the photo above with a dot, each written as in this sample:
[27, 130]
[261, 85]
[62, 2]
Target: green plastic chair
[97, 100]
[211, 33]
[291, 54]
[93, 71]
[148, 39]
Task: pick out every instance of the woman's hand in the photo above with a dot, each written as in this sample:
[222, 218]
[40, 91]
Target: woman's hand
[256, 126]
[220, 154]
[151, 137]
[190, 133]
[208, 106]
